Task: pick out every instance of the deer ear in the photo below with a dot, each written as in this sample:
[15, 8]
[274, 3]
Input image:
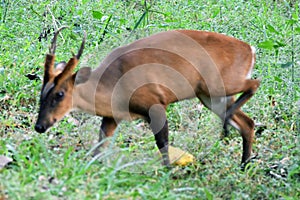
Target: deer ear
[82, 75]
[60, 67]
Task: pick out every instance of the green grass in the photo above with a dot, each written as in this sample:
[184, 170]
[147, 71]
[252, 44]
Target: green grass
[58, 164]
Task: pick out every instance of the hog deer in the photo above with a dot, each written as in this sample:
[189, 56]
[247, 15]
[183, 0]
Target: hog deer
[140, 79]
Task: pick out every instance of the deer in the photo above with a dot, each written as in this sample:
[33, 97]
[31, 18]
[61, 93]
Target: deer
[139, 80]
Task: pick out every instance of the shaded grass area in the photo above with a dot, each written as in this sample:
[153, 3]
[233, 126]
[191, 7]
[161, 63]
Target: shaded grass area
[58, 164]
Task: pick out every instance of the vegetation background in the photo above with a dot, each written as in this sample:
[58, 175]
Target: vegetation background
[58, 164]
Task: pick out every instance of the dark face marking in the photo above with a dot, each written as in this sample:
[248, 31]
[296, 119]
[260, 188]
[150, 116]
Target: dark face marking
[54, 104]
[46, 90]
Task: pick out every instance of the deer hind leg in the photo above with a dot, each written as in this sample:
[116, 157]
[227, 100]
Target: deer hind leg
[219, 106]
[250, 89]
[238, 120]
[245, 125]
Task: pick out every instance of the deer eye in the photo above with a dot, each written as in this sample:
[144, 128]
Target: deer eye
[59, 96]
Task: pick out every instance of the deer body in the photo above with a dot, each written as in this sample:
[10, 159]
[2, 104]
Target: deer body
[139, 80]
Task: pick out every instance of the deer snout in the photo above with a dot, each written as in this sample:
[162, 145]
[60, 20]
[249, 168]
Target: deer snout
[40, 128]
[42, 125]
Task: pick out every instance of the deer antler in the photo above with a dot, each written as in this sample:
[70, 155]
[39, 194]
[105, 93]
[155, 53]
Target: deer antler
[53, 43]
[67, 72]
[81, 46]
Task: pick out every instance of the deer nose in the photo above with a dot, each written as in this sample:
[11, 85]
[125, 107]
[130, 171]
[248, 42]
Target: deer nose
[40, 128]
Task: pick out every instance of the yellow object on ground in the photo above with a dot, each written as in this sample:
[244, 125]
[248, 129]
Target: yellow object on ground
[180, 157]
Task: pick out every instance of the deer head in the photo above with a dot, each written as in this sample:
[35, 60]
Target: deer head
[58, 85]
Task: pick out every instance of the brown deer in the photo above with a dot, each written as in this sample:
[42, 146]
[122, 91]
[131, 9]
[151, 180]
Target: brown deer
[140, 79]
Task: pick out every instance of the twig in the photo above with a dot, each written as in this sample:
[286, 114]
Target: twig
[5, 5]
[147, 10]
[54, 22]
[105, 28]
